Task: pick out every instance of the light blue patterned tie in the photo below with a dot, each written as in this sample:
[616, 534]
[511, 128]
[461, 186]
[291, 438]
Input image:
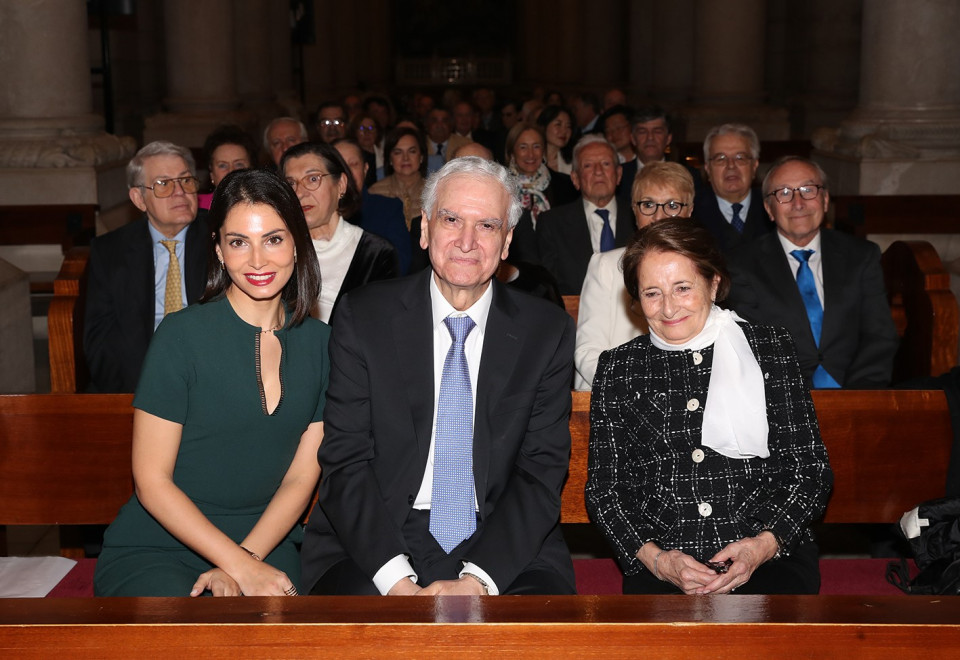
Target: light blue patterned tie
[808, 291]
[452, 513]
[607, 241]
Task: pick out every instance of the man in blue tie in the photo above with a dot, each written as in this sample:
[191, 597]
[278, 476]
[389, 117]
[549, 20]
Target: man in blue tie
[731, 208]
[825, 287]
[568, 235]
[446, 434]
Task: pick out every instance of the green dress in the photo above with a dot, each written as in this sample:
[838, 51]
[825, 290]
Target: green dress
[201, 371]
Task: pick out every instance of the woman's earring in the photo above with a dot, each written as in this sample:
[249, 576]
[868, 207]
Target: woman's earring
[222, 267]
[294, 256]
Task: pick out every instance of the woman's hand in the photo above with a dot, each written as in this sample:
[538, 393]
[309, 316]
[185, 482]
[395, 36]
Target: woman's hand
[747, 554]
[675, 567]
[217, 582]
[261, 579]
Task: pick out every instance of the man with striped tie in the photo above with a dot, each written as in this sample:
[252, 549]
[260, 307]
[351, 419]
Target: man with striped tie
[823, 286]
[446, 439]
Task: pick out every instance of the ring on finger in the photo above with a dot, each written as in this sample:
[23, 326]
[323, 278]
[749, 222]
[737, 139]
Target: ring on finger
[292, 591]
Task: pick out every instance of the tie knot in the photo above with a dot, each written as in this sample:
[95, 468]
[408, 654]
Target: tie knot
[170, 244]
[737, 208]
[604, 214]
[803, 256]
[459, 327]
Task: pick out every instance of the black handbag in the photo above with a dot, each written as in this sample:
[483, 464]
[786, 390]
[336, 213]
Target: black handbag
[933, 531]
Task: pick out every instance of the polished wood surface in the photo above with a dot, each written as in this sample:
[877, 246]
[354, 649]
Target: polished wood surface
[64, 458]
[924, 308]
[572, 305]
[66, 225]
[889, 450]
[564, 626]
[68, 367]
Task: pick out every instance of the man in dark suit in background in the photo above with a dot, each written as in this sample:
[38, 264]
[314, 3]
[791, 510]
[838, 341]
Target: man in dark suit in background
[823, 286]
[568, 235]
[731, 208]
[446, 439]
[144, 270]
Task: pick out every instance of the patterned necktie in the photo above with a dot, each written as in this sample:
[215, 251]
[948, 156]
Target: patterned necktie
[440, 149]
[607, 241]
[808, 291]
[173, 296]
[737, 221]
[452, 513]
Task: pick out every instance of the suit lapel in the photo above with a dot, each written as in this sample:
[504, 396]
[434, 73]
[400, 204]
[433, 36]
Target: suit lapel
[413, 337]
[196, 256]
[834, 270]
[140, 296]
[501, 350]
[776, 270]
[626, 225]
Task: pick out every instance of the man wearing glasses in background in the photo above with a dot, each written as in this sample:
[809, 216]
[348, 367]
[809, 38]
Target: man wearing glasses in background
[146, 269]
[331, 121]
[731, 208]
[823, 286]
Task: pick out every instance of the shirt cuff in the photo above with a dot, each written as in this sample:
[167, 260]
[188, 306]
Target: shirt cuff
[470, 567]
[392, 572]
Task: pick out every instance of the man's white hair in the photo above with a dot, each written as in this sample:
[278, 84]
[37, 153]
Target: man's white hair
[475, 167]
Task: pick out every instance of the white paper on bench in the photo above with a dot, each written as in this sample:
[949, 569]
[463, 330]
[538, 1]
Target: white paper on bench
[31, 577]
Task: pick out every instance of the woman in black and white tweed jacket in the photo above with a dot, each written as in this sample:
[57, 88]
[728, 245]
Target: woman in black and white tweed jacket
[706, 463]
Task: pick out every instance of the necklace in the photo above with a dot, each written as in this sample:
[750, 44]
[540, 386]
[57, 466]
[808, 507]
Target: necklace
[274, 328]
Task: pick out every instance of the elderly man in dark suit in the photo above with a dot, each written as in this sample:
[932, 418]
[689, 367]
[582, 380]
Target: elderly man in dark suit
[731, 208]
[568, 235]
[146, 269]
[823, 286]
[446, 439]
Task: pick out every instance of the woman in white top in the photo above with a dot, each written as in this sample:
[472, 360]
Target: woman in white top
[349, 257]
[607, 317]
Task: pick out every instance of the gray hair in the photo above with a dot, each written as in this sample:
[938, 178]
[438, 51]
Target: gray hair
[266, 132]
[474, 167]
[742, 130]
[157, 148]
[792, 159]
[588, 139]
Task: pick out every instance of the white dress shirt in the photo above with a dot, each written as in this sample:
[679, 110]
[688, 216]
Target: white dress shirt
[726, 208]
[335, 256]
[399, 567]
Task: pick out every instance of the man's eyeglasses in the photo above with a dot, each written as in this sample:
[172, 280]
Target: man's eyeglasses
[310, 182]
[164, 187]
[740, 160]
[785, 195]
[671, 208]
[332, 122]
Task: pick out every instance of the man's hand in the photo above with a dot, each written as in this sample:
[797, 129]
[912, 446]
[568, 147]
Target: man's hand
[465, 586]
[405, 587]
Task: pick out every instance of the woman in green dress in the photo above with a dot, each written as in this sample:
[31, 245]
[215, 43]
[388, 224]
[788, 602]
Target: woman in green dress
[228, 414]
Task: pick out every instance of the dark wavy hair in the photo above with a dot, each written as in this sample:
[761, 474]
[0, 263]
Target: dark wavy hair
[335, 165]
[550, 113]
[264, 187]
[683, 237]
[229, 134]
[391, 140]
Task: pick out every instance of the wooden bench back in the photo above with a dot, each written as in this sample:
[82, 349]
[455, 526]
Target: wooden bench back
[896, 214]
[889, 450]
[66, 225]
[64, 458]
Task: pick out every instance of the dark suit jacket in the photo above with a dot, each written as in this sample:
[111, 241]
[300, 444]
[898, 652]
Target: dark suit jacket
[374, 259]
[563, 240]
[378, 422]
[120, 299]
[706, 210]
[383, 216]
[858, 340]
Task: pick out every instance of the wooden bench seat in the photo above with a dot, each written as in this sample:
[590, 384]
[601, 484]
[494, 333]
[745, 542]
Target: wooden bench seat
[460, 626]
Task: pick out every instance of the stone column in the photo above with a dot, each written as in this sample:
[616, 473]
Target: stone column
[53, 149]
[200, 73]
[904, 137]
[254, 57]
[672, 31]
[729, 68]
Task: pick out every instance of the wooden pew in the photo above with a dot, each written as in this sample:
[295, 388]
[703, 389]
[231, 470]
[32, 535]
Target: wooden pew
[896, 214]
[66, 225]
[866, 433]
[671, 627]
[68, 368]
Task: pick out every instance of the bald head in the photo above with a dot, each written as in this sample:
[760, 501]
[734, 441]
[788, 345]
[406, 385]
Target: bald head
[473, 149]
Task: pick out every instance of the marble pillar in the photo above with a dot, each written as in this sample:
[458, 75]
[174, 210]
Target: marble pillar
[904, 136]
[200, 73]
[729, 71]
[253, 58]
[53, 149]
[672, 28]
